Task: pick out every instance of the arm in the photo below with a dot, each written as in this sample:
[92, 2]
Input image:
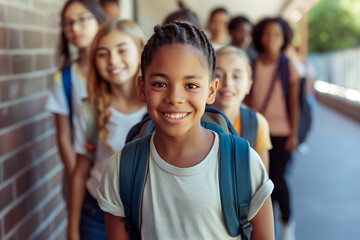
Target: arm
[64, 141]
[77, 196]
[292, 141]
[115, 228]
[263, 223]
[264, 155]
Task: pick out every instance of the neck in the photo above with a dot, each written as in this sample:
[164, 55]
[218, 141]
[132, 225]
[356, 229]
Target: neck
[270, 57]
[187, 150]
[125, 97]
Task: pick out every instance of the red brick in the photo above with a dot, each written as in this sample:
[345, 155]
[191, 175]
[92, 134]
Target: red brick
[17, 137]
[3, 36]
[21, 63]
[34, 174]
[17, 88]
[15, 113]
[43, 61]
[29, 203]
[32, 39]
[52, 40]
[25, 157]
[45, 234]
[29, 226]
[15, 38]
[7, 196]
[5, 67]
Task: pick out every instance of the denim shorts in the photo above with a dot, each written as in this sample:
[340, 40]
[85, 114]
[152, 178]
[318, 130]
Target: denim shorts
[92, 223]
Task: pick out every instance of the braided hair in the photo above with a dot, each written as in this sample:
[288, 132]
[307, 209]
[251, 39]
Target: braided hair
[178, 33]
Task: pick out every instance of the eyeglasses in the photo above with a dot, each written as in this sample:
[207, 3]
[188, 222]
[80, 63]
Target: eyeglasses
[67, 25]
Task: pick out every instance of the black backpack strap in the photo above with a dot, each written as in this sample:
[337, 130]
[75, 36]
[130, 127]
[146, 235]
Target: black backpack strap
[66, 79]
[133, 169]
[249, 125]
[235, 184]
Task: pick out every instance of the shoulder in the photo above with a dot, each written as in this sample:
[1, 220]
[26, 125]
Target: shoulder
[294, 73]
[262, 122]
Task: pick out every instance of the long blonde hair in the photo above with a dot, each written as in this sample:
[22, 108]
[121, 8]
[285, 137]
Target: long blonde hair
[98, 89]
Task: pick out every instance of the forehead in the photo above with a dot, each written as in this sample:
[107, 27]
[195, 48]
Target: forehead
[230, 61]
[115, 38]
[273, 26]
[75, 9]
[178, 59]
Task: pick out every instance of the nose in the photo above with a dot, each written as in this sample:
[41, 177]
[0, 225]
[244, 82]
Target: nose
[225, 81]
[175, 95]
[75, 27]
[114, 58]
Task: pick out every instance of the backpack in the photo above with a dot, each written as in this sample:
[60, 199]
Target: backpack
[249, 125]
[305, 117]
[66, 80]
[234, 169]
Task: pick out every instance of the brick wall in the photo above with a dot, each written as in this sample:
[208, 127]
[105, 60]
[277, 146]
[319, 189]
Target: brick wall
[31, 204]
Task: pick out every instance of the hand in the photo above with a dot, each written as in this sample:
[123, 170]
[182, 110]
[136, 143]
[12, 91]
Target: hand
[291, 143]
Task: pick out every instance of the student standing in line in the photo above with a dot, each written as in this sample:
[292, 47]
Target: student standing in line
[240, 30]
[80, 20]
[111, 8]
[114, 108]
[275, 94]
[234, 73]
[181, 196]
[218, 27]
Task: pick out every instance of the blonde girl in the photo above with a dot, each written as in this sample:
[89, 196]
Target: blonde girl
[234, 73]
[113, 96]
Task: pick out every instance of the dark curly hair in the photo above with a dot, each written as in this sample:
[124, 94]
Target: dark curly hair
[235, 21]
[260, 27]
[182, 15]
[178, 33]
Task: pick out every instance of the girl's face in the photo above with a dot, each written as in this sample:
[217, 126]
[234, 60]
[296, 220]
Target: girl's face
[176, 89]
[272, 38]
[117, 58]
[234, 81]
[79, 25]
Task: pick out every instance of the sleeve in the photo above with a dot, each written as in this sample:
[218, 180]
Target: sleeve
[56, 102]
[108, 192]
[80, 130]
[263, 141]
[261, 185]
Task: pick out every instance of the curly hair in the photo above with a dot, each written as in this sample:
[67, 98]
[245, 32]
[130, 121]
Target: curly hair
[64, 50]
[182, 15]
[99, 90]
[236, 21]
[178, 33]
[259, 29]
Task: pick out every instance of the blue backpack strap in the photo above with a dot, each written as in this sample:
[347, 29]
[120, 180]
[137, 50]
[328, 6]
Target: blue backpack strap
[133, 169]
[235, 184]
[66, 79]
[249, 125]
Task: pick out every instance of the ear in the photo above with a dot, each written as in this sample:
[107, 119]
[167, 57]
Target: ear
[250, 83]
[212, 91]
[141, 88]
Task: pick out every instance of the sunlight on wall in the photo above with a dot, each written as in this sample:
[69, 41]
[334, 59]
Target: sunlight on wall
[347, 93]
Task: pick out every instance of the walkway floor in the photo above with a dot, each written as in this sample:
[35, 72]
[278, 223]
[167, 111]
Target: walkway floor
[325, 181]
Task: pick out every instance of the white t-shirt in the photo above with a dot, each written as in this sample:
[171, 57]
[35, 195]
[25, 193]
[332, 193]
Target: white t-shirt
[57, 102]
[118, 126]
[182, 203]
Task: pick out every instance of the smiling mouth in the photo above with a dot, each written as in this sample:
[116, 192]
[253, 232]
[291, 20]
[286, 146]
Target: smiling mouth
[175, 115]
[115, 71]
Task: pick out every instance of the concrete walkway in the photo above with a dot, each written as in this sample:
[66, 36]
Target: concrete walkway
[325, 181]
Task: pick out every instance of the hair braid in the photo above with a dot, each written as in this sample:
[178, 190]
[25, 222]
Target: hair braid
[178, 33]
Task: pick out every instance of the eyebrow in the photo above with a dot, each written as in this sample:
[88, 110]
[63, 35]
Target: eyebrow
[117, 46]
[81, 14]
[187, 77]
[236, 69]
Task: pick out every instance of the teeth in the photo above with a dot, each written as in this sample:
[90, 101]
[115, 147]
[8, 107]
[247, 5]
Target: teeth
[115, 71]
[176, 115]
[228, 94]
